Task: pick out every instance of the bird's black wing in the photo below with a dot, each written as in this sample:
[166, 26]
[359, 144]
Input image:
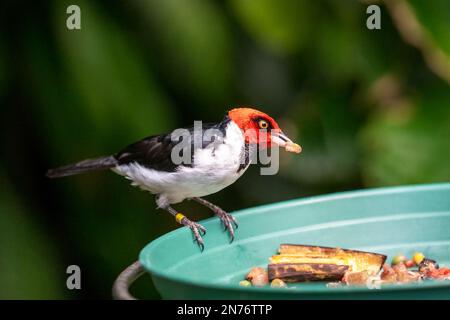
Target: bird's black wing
[154, 152]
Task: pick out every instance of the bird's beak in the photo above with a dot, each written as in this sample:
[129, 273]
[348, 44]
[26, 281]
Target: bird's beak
[280, 139]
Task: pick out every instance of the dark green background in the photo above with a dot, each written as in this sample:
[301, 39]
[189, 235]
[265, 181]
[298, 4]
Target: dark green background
[367, 107]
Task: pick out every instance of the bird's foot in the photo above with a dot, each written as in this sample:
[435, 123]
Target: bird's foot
[197, 229]
[228, 221]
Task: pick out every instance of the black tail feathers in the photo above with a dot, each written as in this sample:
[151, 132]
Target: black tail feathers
[83, 166]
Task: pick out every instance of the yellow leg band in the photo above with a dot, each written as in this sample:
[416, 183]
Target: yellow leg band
[179, 217]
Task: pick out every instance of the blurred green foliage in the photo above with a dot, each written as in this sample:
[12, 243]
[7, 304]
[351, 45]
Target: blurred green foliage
[435, 17]
[29, 264]
[365, 105]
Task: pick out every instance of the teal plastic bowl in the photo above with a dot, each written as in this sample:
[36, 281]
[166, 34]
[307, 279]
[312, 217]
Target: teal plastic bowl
[388, 220]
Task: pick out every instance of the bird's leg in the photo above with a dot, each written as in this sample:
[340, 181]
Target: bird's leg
[197, 229]
[227, 219]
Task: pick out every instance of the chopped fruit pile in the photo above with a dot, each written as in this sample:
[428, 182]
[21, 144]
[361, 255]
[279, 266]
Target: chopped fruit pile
[301, 263]
[400, 271]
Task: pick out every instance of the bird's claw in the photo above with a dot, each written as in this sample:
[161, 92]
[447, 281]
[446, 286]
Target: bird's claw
[227, 220]
[197, 231]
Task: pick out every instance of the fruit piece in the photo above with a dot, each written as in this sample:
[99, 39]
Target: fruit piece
[389, 275]
[398, 259]
[410, 263]
[258, 277]
[427, 265]
[404, 275]
[304, 254]
[301, 272]
[408, 276]
[260, 280]
[278, 283]
[356, 278]
[254, 272]
[245, 283]
[440, 274]
[444, 271]
[418, 257]
[293, 147]
[399, 269]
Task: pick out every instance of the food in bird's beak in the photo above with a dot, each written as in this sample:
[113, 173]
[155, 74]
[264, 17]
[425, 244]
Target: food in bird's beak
[293, 147]
[283, 141]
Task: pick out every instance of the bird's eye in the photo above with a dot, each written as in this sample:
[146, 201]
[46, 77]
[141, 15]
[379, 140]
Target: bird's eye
[263, 124]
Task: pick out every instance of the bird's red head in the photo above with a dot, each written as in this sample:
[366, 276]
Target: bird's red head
[261, 129]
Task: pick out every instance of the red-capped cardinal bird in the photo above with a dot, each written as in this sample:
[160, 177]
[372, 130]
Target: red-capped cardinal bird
[214, 164]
